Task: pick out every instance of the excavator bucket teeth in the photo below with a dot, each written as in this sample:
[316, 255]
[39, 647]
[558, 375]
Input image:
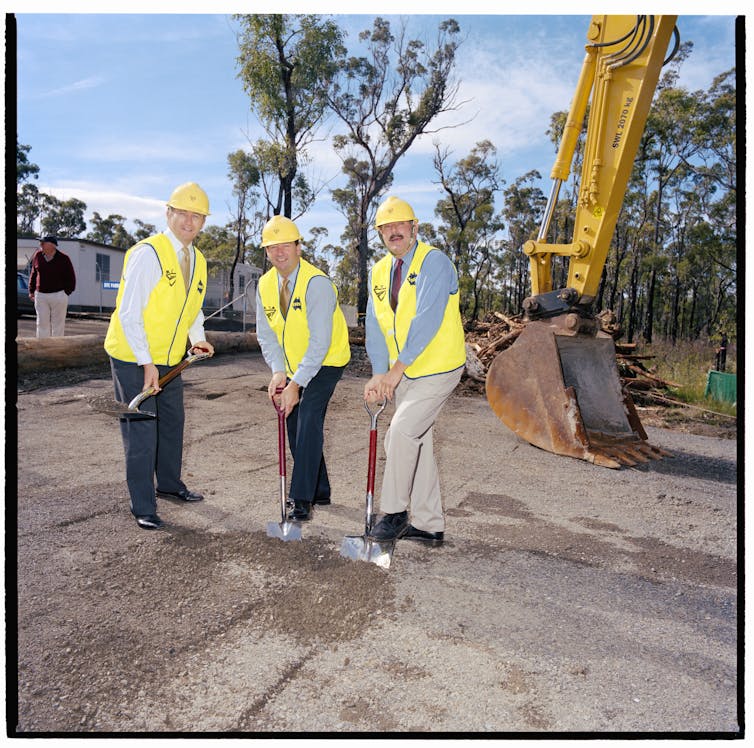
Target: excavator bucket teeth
[560, 391]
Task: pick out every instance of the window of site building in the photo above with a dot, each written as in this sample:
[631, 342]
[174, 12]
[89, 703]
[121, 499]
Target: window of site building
[103, 268]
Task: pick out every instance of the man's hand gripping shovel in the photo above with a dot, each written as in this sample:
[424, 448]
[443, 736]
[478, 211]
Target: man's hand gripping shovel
[285, 529]
[362, 547]
[103, 404]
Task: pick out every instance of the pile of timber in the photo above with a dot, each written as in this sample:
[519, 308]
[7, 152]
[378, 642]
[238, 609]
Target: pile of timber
[485, 339]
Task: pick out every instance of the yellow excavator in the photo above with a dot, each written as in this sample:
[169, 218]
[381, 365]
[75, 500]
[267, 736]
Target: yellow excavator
[557, 386]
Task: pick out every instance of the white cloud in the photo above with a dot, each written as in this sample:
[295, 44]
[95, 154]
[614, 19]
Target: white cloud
[81, 85]
[110, 201]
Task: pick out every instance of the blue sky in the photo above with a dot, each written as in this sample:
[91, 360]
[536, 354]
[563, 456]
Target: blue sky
[118, 109]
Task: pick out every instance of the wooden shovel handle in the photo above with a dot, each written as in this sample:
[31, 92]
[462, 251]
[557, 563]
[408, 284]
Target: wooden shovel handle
[163, 380]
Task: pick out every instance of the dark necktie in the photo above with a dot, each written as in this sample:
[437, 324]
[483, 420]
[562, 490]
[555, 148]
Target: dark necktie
[396, 284]
[285, 297]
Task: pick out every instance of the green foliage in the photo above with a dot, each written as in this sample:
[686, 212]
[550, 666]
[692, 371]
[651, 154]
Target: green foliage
[62, 217]
[686, 364]
[287, 64]
[25, 169]
[469, 225]
[28, 206]
[217, 244]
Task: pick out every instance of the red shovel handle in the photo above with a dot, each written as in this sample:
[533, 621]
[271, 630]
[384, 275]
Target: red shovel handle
[373, 444]
[372, 461]
[281, 433]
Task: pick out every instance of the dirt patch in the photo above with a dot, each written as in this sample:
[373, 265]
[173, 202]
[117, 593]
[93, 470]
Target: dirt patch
[566, 597]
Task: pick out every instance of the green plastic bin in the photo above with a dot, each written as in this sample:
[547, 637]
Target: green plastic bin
[721, 386]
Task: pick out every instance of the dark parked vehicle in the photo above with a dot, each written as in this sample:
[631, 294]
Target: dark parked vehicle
[24, 305]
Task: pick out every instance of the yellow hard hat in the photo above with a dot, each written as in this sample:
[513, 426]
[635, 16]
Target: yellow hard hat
[279, 230]
[190, 196]
[393, 210]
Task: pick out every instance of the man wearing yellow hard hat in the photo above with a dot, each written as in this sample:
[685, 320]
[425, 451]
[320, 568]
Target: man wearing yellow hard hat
[158, 316]
[415, 343]
[304, 340]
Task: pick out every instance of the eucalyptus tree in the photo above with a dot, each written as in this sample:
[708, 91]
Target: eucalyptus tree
[143, 229]
[28, 199]
[524, 208]
[25, 169]
[468, 221]
[243, 172]
[668, 144]
[62, 217]
[109, 230]
[287, 63]
[385, 99]
[28, 208]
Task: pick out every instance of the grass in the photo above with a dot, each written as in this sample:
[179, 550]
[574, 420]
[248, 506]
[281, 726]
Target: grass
[687, 364]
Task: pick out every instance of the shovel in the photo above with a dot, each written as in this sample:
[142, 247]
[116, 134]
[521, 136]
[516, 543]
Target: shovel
[285, 529]
[104, 404]
[362, 547]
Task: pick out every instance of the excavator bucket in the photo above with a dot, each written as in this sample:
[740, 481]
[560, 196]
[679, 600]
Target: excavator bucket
[558, 388]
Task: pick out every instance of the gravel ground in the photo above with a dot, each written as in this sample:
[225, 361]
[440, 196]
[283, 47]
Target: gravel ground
[567, 599]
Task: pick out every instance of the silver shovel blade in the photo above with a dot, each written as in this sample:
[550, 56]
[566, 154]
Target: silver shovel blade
[104, 404]
[362, 548]
[284, 530]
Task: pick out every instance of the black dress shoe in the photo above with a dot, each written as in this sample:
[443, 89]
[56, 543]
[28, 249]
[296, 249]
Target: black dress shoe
[149, 522]
[184, 495]
[431, 538]
[321, 501]
[390, 527]
[302, 511]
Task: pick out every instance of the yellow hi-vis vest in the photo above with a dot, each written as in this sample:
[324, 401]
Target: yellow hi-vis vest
[170, 310]
[293, 331]
[447, 350]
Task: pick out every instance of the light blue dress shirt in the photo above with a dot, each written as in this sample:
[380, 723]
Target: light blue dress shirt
[437, 280]
[320, 307]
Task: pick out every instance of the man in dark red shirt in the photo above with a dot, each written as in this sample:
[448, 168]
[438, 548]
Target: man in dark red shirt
[51, 281]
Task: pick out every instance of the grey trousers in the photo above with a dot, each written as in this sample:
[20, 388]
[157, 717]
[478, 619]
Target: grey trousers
[411, 480]
[154, 446]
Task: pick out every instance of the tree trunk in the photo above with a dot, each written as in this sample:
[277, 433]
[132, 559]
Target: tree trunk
[363, 291]
[649, 319]
[634, 286]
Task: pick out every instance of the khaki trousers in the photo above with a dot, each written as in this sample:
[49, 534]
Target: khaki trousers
[411, 480]
[51, 309]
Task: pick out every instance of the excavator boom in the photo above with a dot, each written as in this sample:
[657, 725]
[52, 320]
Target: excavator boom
[558, 386]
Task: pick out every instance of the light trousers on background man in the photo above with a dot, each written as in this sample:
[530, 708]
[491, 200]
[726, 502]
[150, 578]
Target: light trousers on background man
[51, 309]
[411, 479]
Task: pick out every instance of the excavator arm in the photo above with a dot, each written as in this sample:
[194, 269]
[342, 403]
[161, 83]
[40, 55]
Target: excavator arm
[558, 386]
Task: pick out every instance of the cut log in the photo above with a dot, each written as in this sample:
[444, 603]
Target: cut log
[501, 342]
[76, 351]
[474, 367]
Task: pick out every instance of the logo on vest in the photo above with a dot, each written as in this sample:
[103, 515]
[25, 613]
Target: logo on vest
[379, 292]
[200, 287]
[297, 304]
[269, 312]
[171, 275]
[412, 279]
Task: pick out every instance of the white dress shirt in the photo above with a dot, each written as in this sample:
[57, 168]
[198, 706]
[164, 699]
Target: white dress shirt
[142, 274]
